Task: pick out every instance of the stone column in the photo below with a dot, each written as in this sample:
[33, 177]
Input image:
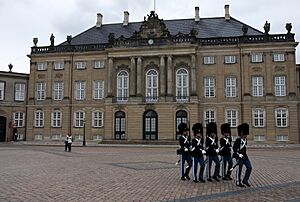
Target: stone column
[193, 75]
[162, 76]
[170, 76]
[139, 77]
[110, 79]
[132, 85]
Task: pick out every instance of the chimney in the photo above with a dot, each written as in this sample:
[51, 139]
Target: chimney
[126, 18]
[99, 20]
[197, 16]
[227, 15]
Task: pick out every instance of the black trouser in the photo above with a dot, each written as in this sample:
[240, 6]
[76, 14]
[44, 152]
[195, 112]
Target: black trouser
[66, 145]
[69, 146]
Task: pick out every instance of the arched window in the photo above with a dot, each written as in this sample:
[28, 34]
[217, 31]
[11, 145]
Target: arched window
[120, 123]
[122, 86]
[182, 84]
[150, 125]
[151, 85]
[181, 117]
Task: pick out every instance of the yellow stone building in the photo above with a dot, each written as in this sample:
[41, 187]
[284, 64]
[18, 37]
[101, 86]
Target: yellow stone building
[136, 81]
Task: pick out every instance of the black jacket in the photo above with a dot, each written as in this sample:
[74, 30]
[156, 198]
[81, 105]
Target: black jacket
[211, 146]
[197, 147]
[225, 144]
[184, 144]
[239, 147]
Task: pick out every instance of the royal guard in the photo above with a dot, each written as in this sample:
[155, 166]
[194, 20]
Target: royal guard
[184, 151]
[197, 152]
[225, 151]
[240, 154]
[212, 150]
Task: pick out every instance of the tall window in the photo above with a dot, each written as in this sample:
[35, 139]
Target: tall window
[182, 84]
[19, 118]
[20, 91]
[257, 86]
[256, 57]
[80, 90]
[39, 119]
[58, 90]
[98, 89]
[210, 116]
[122, 85]
[209, 87]
[229, 59]
[56, 118]
[232, 117]
[40, 91]
[208, 60]
[151, 85]
[278, 57]
[230, 87]
[258, 117]
[1, 90]
[79, 118]
[281, 116]
[97, 119]
[280, 86]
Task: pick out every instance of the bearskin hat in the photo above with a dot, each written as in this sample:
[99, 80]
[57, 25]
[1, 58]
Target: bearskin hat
[182, 127]
[225, 128]
[211, 128]
[197, 128]
[243, 129]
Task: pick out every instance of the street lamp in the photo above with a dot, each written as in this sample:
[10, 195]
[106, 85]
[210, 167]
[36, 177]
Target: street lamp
[83, 142]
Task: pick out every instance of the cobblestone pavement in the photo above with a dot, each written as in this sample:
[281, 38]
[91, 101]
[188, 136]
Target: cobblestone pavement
[47, 173]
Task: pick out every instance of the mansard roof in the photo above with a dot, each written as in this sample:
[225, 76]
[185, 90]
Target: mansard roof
[206, 28]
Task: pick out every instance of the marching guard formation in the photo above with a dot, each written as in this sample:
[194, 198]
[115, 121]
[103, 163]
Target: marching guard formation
[196, 156]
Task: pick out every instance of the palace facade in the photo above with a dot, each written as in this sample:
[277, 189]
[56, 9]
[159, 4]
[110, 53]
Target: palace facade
[136, 81]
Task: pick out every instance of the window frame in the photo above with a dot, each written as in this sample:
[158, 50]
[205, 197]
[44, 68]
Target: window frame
[79, 121]
[182, 91]
[259, 114]
[20, 94]
[257, 86]
[230, 59]
[122, 86]
[99, 120]
[2, 90]
[210, 89]
[80, 90]
[39, 119]
[208, 60]
[40, 91]
[257, 58]
[56, 121]
[280, 88]
[283, 120]
[19, 119]
[231, 119]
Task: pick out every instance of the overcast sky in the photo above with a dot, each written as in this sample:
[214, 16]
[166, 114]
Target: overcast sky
[21, 20]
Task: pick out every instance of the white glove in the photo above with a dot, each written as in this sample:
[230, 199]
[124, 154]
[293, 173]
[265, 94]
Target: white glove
[203, 152]
[241, 155]
[217, 150]
[185, 149]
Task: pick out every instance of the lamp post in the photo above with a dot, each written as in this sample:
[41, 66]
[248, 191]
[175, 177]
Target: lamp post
[83, 142]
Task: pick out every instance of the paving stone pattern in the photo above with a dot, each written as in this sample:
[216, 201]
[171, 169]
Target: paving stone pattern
[48, 173]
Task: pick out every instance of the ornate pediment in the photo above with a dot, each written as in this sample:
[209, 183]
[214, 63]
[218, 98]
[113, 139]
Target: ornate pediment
[182, 64]
[153, 27]
[152, 65]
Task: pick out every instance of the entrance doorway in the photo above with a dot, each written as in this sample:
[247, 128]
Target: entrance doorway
[2, 128]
